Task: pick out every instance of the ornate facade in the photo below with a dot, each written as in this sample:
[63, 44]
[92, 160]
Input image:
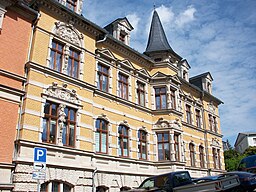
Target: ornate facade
[108, 115]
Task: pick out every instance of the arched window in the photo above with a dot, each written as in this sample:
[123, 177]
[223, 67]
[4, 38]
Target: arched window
[102, 188]
[201, 154]
[123, 140]
[192, 154]
[56, 186]
[101, 136]
[142, 145]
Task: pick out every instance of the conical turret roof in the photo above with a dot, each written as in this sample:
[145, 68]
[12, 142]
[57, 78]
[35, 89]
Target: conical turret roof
[157, 40]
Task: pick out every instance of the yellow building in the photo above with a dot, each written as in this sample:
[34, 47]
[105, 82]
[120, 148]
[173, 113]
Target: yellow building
[108, 115]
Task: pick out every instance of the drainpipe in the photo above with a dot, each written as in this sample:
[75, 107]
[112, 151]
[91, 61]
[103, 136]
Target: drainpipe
[102, 40]
[93, 174]
[24, 83]
[206, 141]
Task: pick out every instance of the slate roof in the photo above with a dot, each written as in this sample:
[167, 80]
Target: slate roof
[157, 40]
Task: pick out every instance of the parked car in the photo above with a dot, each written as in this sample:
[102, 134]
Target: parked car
[248, 164]
[247, 180]
[181, 181]
[224, 182]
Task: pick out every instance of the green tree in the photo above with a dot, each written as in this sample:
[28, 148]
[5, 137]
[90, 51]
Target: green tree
[232, 159]
[250, 151]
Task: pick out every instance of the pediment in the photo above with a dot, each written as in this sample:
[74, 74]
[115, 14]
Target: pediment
[189, 96]
[126, 23]
[209, 76]
[126, 64]
[143, 72]
[159, 75]
[176, 79]
[107, 53]
[185, 64]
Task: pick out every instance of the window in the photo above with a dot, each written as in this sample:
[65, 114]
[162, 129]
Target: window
[211, 122]
[101, 136]
[141, 93]
[71, 4]
[142, 146]
[50, 124]
[254, 140]
[57, 59]
[123, 140]
[56, 56]
[123, 86]
[122, 36]
[55, 187]
[176, 147]
[68, 133]
[163, 142]
[192, 154]
[215, 125]
[185, 74]
[73, 63]
[103, 76]
[201, 154]
[173, 99]
[160, 95]
[188, 114]
[198, 118]
[216, 158]
[102, 188]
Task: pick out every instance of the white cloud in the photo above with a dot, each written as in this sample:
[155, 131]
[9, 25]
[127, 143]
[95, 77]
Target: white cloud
[166, 14]
[134, 20]
[186, 16]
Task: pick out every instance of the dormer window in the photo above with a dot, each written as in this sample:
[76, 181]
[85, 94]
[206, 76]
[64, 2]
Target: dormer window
[122, 36]
[71, 4]
[184, 75]
[209, 89]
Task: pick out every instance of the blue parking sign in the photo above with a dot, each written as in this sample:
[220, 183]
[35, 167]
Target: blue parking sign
[40, 154]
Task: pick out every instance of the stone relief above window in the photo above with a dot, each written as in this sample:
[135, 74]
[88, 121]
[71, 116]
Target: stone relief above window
[68, 32]
[62, 92]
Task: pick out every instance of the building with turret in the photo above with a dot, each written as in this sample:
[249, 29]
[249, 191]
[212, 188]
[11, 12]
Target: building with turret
[108, 115]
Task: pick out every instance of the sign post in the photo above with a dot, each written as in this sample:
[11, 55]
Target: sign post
[39, 165]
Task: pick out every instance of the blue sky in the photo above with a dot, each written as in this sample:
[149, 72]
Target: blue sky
[218, 36]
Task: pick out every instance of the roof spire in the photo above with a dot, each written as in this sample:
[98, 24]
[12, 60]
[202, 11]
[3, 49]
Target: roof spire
[157, 40]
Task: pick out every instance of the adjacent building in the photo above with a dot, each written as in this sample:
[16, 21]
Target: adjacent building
[244, 141]
[108, 115]
[15, 31]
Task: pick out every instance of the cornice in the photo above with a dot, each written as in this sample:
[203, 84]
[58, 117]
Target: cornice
[121, 101]
[68, 15]
[12, 75]
[128, 51]
[61, 76]
[167, 112]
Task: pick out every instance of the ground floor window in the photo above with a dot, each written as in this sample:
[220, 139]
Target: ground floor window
[56, 186]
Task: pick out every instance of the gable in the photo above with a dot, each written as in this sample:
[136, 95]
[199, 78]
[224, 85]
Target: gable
[126, 64]
[106, 53]
[126, 23]
[143, 72]
[159, 75]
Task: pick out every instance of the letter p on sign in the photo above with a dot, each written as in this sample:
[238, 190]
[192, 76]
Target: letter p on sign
[40, 154]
